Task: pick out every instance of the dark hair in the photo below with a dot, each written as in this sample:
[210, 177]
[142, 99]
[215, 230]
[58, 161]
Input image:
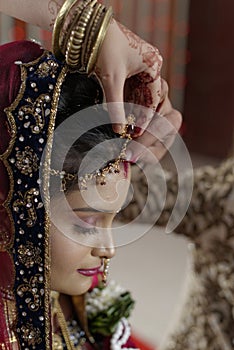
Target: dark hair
[80, 102]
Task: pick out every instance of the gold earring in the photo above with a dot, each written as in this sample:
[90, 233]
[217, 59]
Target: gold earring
[106, 265]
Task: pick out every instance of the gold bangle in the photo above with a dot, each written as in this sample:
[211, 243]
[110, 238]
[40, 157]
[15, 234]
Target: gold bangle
[76, 39]
[100, 38]
[74, 47]
[88, 33]
[58, 25]
[93, 31]
[63, 40]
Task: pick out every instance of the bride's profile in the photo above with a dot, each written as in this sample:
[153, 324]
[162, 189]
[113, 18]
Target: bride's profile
[50, 252]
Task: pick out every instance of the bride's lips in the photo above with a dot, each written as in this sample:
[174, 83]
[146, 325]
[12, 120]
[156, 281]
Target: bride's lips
[90, 272]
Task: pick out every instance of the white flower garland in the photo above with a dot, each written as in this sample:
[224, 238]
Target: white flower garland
[121, 336]
[100, 299]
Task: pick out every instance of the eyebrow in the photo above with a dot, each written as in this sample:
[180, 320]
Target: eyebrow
[93, 210]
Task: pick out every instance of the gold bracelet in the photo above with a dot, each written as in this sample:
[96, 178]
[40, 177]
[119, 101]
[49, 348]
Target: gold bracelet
[93, 34]
[74, 46]
[58, 25]
[65, 35]
[88, 34]
[63, 39]
[100, 38]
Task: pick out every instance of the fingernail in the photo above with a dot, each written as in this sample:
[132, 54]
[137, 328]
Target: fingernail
[138, 131]
[129, 155]
[135, 159]
[118, 128]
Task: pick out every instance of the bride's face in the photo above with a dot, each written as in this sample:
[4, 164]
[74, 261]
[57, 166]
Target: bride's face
[81, 232]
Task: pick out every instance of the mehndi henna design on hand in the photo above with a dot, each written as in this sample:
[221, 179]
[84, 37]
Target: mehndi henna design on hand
[53, 8]
[135, 41]
[153, 59]
[150, 54]
[138, 91]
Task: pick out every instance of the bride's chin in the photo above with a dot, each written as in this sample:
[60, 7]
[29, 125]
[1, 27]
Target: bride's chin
[74, 290]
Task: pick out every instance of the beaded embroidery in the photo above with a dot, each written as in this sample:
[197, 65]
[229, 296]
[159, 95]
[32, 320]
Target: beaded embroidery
[31, 118]
[27, 161]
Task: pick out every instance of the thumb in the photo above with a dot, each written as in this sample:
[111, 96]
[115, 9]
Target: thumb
[114, 94]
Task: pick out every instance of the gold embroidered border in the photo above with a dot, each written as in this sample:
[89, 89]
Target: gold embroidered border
[46, 176]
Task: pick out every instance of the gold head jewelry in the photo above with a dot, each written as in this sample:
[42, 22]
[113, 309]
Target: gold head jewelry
[66, 7]
[100, 174]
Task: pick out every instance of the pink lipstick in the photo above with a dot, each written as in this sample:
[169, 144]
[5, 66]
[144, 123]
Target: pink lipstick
[89, 272]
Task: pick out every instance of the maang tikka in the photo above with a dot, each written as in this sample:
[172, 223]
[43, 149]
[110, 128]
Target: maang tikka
[100, 174]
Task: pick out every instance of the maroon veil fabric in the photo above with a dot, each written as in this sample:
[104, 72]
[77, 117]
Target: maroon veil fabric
[10, 54]
[10, 81]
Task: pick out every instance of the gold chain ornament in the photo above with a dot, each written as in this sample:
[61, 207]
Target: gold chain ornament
[106, 266]
[58, 313]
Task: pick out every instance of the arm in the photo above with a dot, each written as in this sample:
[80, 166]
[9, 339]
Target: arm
[129, 71]
[40, 13]
[211, 201]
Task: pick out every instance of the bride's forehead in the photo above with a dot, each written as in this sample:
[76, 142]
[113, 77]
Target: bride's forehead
[108, 196]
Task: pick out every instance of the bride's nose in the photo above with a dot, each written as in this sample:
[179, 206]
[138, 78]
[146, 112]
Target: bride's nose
[104, 248]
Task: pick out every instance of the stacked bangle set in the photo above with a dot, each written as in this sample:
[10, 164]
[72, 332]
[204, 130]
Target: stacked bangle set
[79, 32]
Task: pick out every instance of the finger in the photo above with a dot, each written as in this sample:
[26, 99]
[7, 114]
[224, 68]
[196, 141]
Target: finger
[164, 106]
[113, 87]
[164, 90]
[152, 93]
[159, 129]
[143, 92]
[154, 154]
[152, 89]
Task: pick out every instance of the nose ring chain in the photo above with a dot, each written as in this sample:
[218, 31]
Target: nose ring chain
[106, 265]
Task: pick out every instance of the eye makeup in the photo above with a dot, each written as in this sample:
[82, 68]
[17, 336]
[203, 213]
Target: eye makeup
[85, 230]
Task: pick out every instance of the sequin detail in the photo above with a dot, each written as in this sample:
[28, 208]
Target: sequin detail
[27, 161]
[31, 118]
[29, 255]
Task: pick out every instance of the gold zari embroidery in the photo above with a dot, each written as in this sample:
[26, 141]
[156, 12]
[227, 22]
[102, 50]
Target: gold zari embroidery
[29, 255]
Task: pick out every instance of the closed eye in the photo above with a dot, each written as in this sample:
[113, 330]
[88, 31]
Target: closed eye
[85, 230]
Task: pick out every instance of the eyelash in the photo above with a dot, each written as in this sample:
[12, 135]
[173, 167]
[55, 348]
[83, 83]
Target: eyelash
[84, 230]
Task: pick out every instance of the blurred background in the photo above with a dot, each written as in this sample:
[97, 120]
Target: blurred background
[195, 38]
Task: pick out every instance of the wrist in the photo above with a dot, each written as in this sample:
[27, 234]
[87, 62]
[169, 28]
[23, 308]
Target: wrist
[120, 52]
[79, 32]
